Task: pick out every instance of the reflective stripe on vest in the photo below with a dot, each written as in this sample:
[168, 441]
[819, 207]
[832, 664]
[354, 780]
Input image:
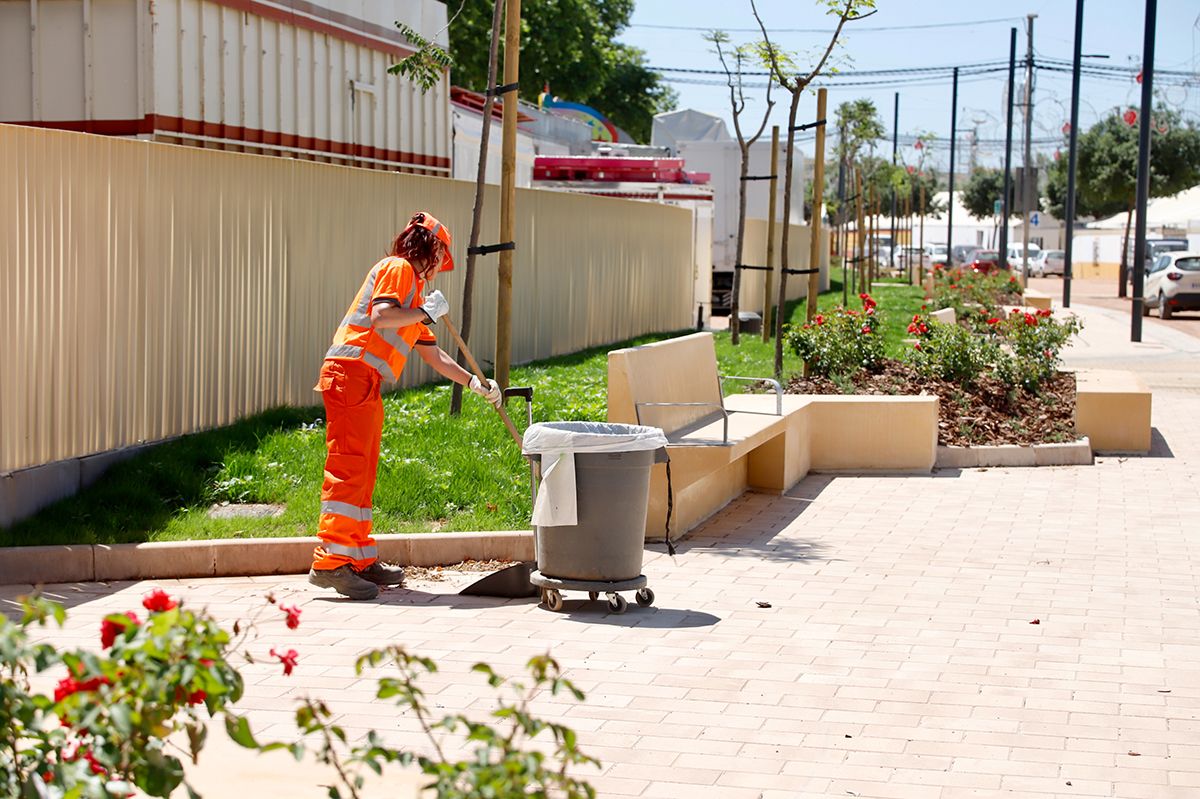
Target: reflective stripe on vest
[357, 553]
[346, 509]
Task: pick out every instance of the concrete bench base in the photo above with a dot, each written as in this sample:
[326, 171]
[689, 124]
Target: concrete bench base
[1112, 408]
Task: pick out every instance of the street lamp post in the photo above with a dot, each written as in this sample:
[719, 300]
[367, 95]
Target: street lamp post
[1008, 124]
[1072, 159]
[1143, 173]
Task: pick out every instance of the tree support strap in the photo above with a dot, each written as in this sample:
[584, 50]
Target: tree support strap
[802, 271]
[486, 249]
[809, 125]
[759, 177]
[759, 268]
[496, 91]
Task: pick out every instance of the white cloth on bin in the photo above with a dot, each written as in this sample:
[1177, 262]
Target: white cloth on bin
[557, 443]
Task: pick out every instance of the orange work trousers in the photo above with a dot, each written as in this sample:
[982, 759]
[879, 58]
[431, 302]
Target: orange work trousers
[353, 427]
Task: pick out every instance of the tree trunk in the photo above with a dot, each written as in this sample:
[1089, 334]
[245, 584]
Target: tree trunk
[464, 331]
[1123, 272]
[787, 218]
[734, 322]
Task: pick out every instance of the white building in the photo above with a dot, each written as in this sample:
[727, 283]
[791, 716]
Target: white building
[300, 78]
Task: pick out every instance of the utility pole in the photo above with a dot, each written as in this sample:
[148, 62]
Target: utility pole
[950, 201]
[1028, 192]
[508, 190]
[1143, 174]
[814, 224]
[1008, 125]
[895, 142]
[1072, 158]
[769, 284]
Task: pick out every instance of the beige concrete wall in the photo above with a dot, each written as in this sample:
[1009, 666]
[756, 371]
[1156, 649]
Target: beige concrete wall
[151, 290]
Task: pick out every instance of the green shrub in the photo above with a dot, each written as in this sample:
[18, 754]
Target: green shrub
[841, 342]
[949, 352]
[1032, 344]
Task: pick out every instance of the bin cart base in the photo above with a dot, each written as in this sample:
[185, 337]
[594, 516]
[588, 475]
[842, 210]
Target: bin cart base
[552, 588]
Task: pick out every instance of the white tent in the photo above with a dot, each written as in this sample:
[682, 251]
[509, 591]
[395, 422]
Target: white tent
[673, 127]
[1181, 211]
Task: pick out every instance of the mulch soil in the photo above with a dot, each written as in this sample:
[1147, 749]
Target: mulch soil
[437, 574]
[983, 415]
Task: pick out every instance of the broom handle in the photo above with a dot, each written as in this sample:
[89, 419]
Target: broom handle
[462, 346]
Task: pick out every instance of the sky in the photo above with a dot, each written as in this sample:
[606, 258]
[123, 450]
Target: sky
[902, 34]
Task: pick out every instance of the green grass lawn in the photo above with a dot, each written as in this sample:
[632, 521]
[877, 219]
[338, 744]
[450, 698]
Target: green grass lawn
[435, 472]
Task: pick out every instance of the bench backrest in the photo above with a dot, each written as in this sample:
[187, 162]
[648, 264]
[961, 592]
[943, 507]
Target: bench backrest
[680, 369]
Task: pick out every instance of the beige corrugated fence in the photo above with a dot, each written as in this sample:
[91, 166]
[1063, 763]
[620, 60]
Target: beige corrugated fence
[151, 290]
[751, 297]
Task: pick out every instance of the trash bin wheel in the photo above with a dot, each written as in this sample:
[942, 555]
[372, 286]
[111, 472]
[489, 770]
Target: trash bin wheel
[645, 597]
[554, 600]
[593, 595]
[617, 604]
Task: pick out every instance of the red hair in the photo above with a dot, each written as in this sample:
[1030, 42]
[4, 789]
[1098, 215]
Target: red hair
[417, 245]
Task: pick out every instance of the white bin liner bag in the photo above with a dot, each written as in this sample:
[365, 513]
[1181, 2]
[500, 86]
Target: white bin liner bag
[557, 443]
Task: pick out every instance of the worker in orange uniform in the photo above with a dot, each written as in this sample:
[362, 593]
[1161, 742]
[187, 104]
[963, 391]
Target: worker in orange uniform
[389, 317]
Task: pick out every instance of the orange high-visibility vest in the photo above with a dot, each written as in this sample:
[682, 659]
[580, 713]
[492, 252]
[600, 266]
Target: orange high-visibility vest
[385, 350]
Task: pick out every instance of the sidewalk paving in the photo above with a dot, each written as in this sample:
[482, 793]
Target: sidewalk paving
[896, 659]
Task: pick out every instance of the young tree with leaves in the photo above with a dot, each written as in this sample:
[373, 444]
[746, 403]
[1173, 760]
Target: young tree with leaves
[737, 101]
[787, 74]
[1106, 181]
[571, 46]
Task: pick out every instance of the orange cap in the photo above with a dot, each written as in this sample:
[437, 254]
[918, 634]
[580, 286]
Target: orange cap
[430, 223]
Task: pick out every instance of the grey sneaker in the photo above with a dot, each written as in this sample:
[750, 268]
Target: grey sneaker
[382, 574]
[345, 581]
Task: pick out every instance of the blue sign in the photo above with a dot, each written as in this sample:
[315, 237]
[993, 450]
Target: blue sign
[1033, 219]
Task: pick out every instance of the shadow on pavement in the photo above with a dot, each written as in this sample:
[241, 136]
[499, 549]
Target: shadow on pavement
[1159, 448]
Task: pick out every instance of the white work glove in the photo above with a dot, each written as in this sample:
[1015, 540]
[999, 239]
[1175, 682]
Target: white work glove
[490, 390]
[435, 306]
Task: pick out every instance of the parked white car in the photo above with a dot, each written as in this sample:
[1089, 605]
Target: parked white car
[1052, 262]
[1172, 284]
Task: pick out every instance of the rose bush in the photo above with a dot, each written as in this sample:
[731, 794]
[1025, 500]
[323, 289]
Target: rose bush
[103, 732]
[841, 342]
[1032, 343]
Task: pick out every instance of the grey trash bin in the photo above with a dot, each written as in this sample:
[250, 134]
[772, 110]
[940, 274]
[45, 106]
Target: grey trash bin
[612, 462]
[749, 322]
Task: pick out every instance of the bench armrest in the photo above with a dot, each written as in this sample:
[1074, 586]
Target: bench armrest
[774, 384]
[637, 407]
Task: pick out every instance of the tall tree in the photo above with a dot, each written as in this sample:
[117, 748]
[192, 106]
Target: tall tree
[786, 72]
[979, 195]
[1106, 177]
[739, 56]
[568, 45]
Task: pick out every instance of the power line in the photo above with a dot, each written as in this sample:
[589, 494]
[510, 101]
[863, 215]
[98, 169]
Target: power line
[889, 29]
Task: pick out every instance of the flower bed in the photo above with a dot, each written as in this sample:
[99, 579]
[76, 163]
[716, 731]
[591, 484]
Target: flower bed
[996, 374]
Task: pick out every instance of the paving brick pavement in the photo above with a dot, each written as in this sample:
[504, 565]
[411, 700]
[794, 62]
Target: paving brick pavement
[897, 657]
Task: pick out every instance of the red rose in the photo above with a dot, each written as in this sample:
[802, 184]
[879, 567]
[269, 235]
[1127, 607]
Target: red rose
[1030, 320]
[66, 686]
[820, 320]
[917, 346]
[912, 327]
[866, 329]
[196, 697]
[111, 628]
[288, 659]
[157, 601]
[993, 321]
[293, 616]
[924, 328]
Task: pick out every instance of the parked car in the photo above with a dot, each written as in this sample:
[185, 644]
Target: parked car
[1052, 262]
[937, 254]
[1157, 247]
[985, 261]
[1173, 284]
[961, 253]
[1016, 255]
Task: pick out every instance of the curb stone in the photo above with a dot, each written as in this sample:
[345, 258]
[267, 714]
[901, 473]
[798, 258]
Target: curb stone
[163, 560]
[1075, 453]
